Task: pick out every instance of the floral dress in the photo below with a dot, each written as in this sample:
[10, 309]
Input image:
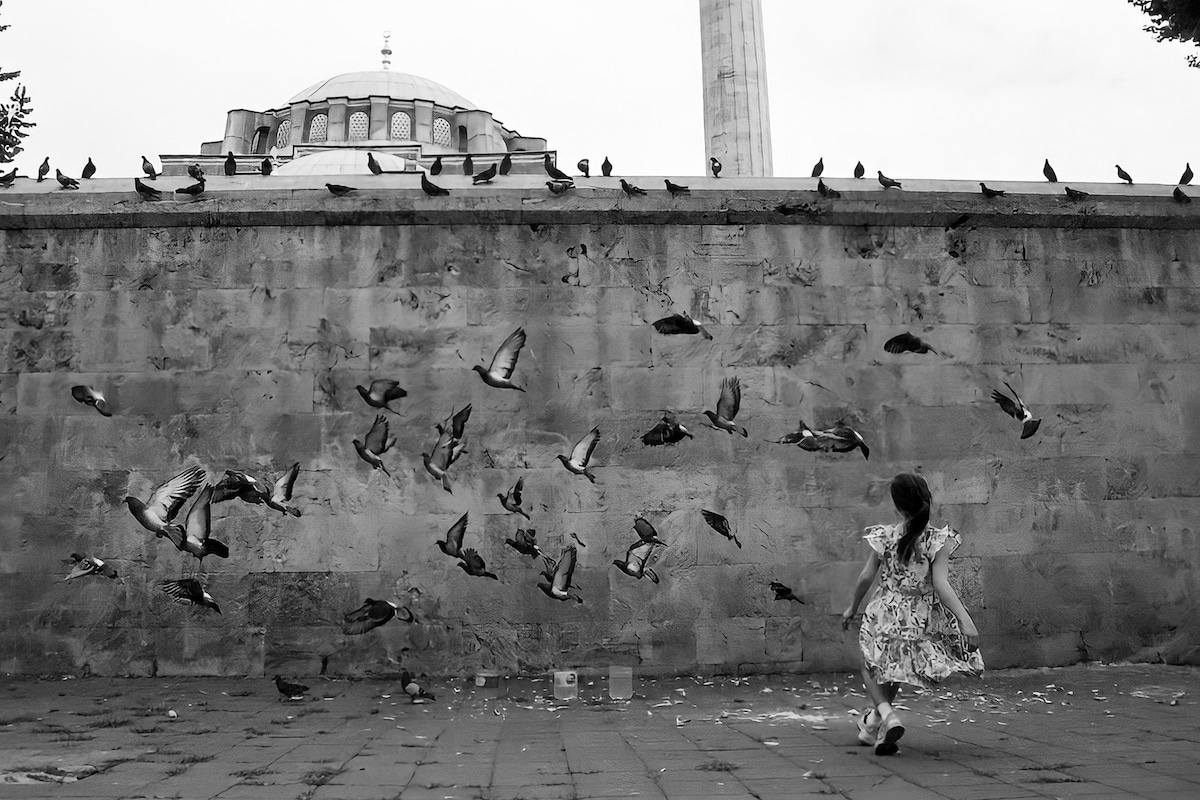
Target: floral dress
[907, 634]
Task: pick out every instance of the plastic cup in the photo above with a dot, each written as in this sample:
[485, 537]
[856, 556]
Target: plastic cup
[566, 684]
[620, 682]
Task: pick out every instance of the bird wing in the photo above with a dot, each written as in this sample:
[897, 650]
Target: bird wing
[731, 399]
[505, 360]
[454, 536]
[199, 517]
[516, 491]
[636, 556]
[582, 452]
[657, 435]
[473, 560]
[284, 484]
[81, 393]
[716, 521]
[672, 324]
[443, 448]
[549, 567]
[185, 591]
[1006, 404]
[376, 439]
[458, 421]
[900, 343]
[565, 569]
[1024, 410]
[170, 497]
[644, 529]
[368, 616]
[381, 386]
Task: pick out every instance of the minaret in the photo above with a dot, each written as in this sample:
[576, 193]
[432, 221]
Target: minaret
[737, 121]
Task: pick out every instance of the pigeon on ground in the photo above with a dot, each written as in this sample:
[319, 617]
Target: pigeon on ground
[990, 193]
[468, 166]
[727, 408]
[646, 531]
[147, 192]
[486, 176]
[1075, 194]
[907, 343]
[721, 525]
[525, 543]
[194, 538]
[1016, 409]
[630, 190]
[432, 189]
[414, 690]
[1180, 196]
[668, 431]
[230, 165]
[290, 691]
[189, 592]
[512, 499]
[583, 167]
[1123, 175]
[375, 444]
[193, 190]
[452, 544]
[86, 566]
[371, 614]
[6, 180]
[89, 169]
[43, 170]
[1048, 171]
[554, 172]
[838, 439]
[505, 165]
[473, 564]
[148, 168]
[714, 164]
[337, 190]
[825, 191]
[783, 592]
[1184, 179]
[64, 181]
[606, 168]
[559, 187]
[675, 189]
[887, 182]
[558, 586]
[90, 396]
[373, 165]
[859, 170]
[498, 374]
[680, 323]
[158, 513]
[381, 392]
[634, 563]
[436, 168]
[818, 168]
[195, 172]
[581, 454]
[266, 167]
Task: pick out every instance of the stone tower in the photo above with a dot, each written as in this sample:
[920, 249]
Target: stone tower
[737, 121]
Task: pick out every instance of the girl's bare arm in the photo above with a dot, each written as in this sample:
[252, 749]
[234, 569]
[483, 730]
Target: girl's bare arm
[865, 579]
[949, 598]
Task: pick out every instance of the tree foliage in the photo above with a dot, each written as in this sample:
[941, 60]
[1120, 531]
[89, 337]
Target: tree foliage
[1173, 21]
[14, 124]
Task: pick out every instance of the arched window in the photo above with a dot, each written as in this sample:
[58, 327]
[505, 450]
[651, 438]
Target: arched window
[359, 126]
[401, 127]
[317, 128]
[441, 132]
[462, 138]
[259, 143]
[284, 135]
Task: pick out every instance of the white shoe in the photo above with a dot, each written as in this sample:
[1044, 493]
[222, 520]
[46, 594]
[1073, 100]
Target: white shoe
[867, 730]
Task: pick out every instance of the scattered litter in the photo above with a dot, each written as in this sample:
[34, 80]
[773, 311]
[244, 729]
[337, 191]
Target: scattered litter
[172, 713]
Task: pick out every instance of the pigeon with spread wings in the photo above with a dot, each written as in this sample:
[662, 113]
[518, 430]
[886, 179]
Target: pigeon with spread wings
[371, 614]
[634, 563]
[250, 490]
[525, 543]
[376, 444]
[680, 323]
[452, 544]
[838, 439]
[473, 564]
[721, 525]
[499, 373]
[82, 566]
[381, 392]
[189, 592]
[1016, 408]
[581, 454]
[669, 431]
[157, 514]
[90, 396]
[559, 585]
[512, 499]
[194, 537]
[727, 408]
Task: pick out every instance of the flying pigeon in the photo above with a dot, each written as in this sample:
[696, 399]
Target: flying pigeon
[230, 165]
[498, 374]
[64, 181]
[525, 543]
[290, 691]
[442, 456]
[631, 190]
[727, 408]
[473, 564]
[1048, 171]
[6, 180]
[251, 490]
[371, 614]
[990, 193]
[468, 166]
[373, 165]
[1180, 196]
[714, 164]
[783, 592]
[91, 397]
[825, 191]
[606, 167]
[193, 190]
[195, 172]
[721, 525]
[432, 189]
[1123, 175]
[194, 538]
[559, 187]
[1016, 409]
[797, 436]
[634, 563]
[266, 167]
[1075, 194]
[337, 190]
[413, 689]
[505, 164]
[148, 168]
[646, 531]
[452, 545]
[680, 323]
[512, 500]
[158, 513]
[582, 166]
[436, 168]
[559, 586]
[1184, 179]
[838, 439]
[554, 172]
[669, 431]
[859, 170]
[486, 176]
[376, 444]
[89, 169]
[675, 189]
[189, 592]
[43, 170]
[147, 192]
[82, 566]
[381, 392]
[818, 168]
[887, 182]
[457, 422]
[907, 343]
[581, 454]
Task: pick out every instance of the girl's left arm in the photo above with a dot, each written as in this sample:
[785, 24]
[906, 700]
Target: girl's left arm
[865, 579]
[949, 598]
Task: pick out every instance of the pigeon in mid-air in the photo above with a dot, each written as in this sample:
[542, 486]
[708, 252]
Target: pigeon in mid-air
[89, 169]
[646, 532]
[194, 537]
[91, 396]
[43, 169]
[189, 592]
[525, 543]
[1048, 171]
[887, 182]
[859, 170]
[64, 181]
[147, 192]
[1016, 408]
[195, 172]
[505, 165]
[375, 444]
[714, 164]
[818, 168]
[990, 193]
[630, 190]
[675, 189]
[290, 691]
[148, 168]
[512, 499]
[581, 454]
[337, 190]
[606, 167]
[721, 525]
[583, 168]
[158, 513]
[436, 168]
[1184, 179]
[783, 592]
[1075, 194]
[86, 566]
[249, 489]
[381, 392]
[680, 323]
[230, 165]
[907, 343]
[432, 189]
[468, 166]
[452, 544]
[727, 408]
[668, 431]
[498, 374]
[554, 172]
[838, 439]
[373, 165]
[473, 564]
[445, 452]
[558, 585]
[486, 176]
[1180, 196]
[1123, 175]
[634, 563]
[371, 614]
[195, 189]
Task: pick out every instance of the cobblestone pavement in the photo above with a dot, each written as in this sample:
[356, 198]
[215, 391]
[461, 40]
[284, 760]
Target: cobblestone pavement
[1122, 731]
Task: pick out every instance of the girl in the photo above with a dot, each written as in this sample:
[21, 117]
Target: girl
[915, 630]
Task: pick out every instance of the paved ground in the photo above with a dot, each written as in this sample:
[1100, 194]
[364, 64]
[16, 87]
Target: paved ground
[1092, 732]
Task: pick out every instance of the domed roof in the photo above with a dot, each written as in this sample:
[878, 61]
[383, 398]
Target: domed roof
[385, 83]
[342, 161]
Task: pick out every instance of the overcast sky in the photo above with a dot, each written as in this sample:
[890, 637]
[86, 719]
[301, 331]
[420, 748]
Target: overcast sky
[917, 88]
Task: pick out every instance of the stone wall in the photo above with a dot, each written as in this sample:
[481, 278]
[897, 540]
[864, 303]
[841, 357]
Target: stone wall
[231, 332]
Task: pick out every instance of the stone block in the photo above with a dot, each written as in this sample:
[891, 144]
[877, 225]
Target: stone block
[730, 641]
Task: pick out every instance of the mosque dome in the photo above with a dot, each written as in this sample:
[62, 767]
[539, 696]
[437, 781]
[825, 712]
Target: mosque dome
[382, 83]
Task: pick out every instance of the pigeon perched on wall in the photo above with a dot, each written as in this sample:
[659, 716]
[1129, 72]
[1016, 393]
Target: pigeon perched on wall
[558, 583]
[727, 408]
[64, 181]
[230, 165]
[498, 374]
[721, 525]
[432, 189]
[825, 191]
[193, 190]
[1048, 171]
[887, 182]
[147, 192]
[89, 169]
[266, 167]
[486, 176]
[290, 691]
[583, 167]
[91, 396]
[606, 167]
[195, 172]
[1075, 194]
[675, 189]
[373, 165]
[859, 170]
[668, 431]
[1184, 179]
[634, 563]
[436, 168]
[44, 169]
[511, 500]
[158, 513]
[375, 444]
[372, 614]
[148, 169]
[381, 392]
[554, 172]
[505, 165]
[907, 343]
[6, 180]
[818, 168]
[681, 323]
[337, 190]
[1180, 196]
[783, 592]
[559, 187]
[630, 190]
[714, 164]
[88, 566]
[1017, 409]
[468, 166]
[189, 592]
[1123, 175]
[990, 193]
[581, 454]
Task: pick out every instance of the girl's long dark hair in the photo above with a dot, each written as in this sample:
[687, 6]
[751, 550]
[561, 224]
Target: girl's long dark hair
[911, 495]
